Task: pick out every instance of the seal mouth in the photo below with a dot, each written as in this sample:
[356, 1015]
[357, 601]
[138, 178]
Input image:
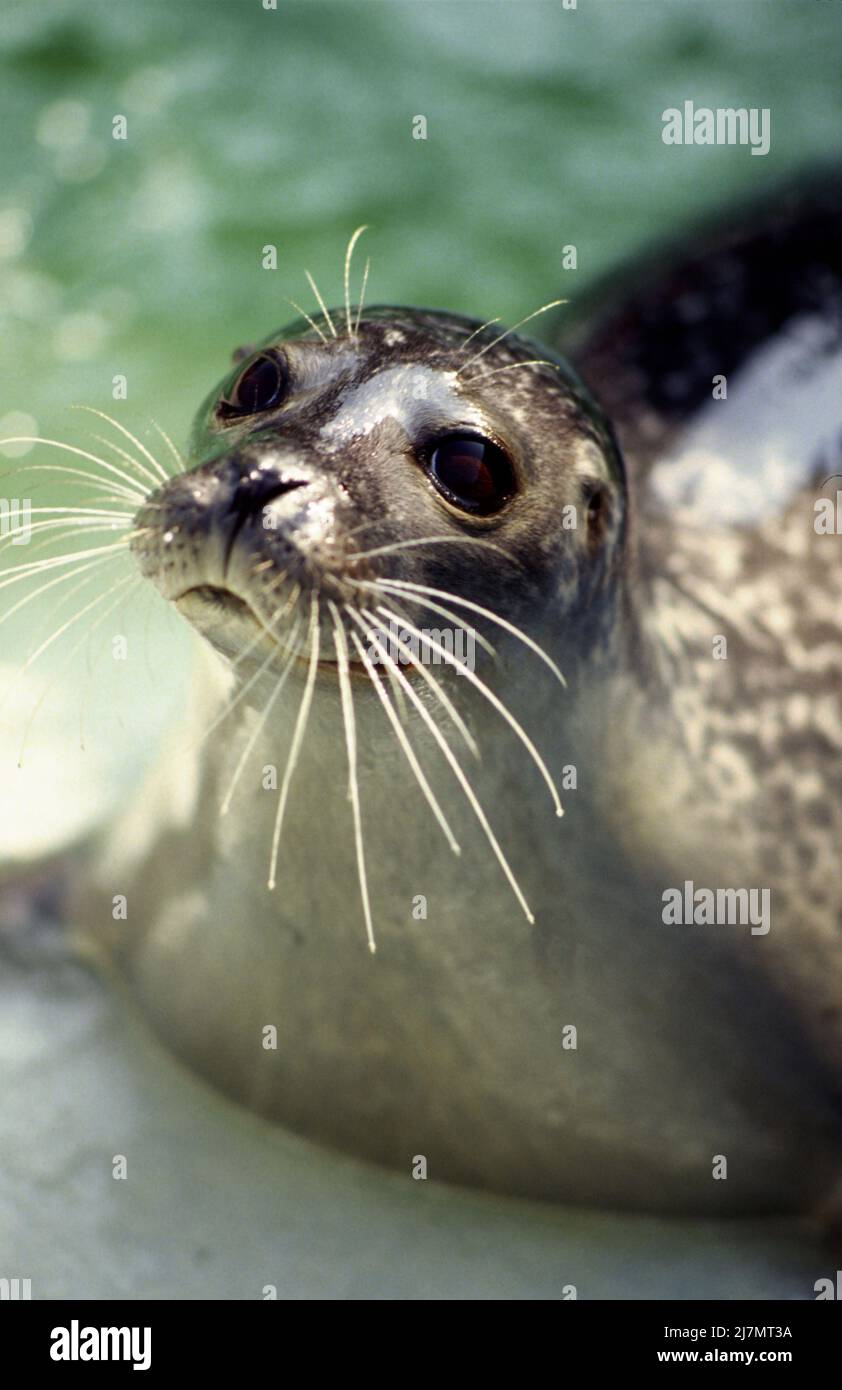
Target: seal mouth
[217, 612]
[219, 597]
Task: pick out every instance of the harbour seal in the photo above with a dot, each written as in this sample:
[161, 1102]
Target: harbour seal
[666, 660]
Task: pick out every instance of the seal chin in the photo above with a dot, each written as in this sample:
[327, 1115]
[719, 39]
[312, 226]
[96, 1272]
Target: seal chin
[235, 629]
[227, 621]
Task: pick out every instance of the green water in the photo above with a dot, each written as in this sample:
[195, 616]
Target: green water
[249, 127]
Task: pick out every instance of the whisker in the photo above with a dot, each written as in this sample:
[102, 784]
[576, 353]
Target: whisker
[81, 453]
[347, 701]
[16, 572]
[297, 736]
[362, 297]
[154, 480]
[135, 580]
[347, 275]
[182, 466]
[44, 646]
[405, 744]
[83, 511]
[325, 311]
[75, 526]
[470, 794]
[492, 699]
[460, 602]
[411, 544]
[303, 312]
[512, 366]
[117, 491]
[51, 583]
[132, 438]
[427, 676]
[448, 613]
[553, 304]
[243, 759]
[247, 685]
[470, 338]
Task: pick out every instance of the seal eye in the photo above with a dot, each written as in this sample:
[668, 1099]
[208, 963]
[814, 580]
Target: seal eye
[258, 387]
[472, 473]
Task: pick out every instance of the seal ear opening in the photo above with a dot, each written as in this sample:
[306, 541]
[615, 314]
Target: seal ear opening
[597, 508]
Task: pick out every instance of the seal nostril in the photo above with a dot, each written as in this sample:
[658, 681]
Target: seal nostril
[252, 494]
[256, 490]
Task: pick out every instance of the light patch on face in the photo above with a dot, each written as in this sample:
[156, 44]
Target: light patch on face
[747, 456]
[414, 396]
[587, 459]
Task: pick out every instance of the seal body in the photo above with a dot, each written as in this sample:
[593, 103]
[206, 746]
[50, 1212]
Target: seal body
[531, 1021]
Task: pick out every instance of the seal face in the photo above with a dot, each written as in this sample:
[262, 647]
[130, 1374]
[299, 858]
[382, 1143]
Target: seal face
[355, 501]
[418, 426]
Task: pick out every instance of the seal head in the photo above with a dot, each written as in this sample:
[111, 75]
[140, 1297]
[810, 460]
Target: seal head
[317, 454]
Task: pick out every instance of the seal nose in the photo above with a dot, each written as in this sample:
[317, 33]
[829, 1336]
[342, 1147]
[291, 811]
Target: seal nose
[256, 489]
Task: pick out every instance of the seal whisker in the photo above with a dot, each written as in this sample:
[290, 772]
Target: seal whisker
[153, 480]
[386, 586]
[131, 482]
[347, 700]
[84, 511]
[74, 526]
[24, 571]
[118, 491]
[43, 588]
[133, 439]
[182, 466]
[553, 304]
[411, 544]
[244, 688]
[297, 736]
[405, 743]
[303, 312]
[63, 628]
[512, 366]
[398, 692]
[347, 276]
[362, 296]
[427, 676]
[60, 631]
[325, 311]
[493, 617]
[244, 756]
[475, 334]
[459, 773]
[134, 581]
[489, 695]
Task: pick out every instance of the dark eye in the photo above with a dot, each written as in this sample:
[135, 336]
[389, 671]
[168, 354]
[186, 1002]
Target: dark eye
[472, 473]
[260, 386]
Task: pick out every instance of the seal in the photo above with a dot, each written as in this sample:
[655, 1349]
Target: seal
[619, 1007]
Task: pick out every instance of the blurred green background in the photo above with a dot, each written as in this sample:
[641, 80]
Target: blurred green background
[250, 126]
